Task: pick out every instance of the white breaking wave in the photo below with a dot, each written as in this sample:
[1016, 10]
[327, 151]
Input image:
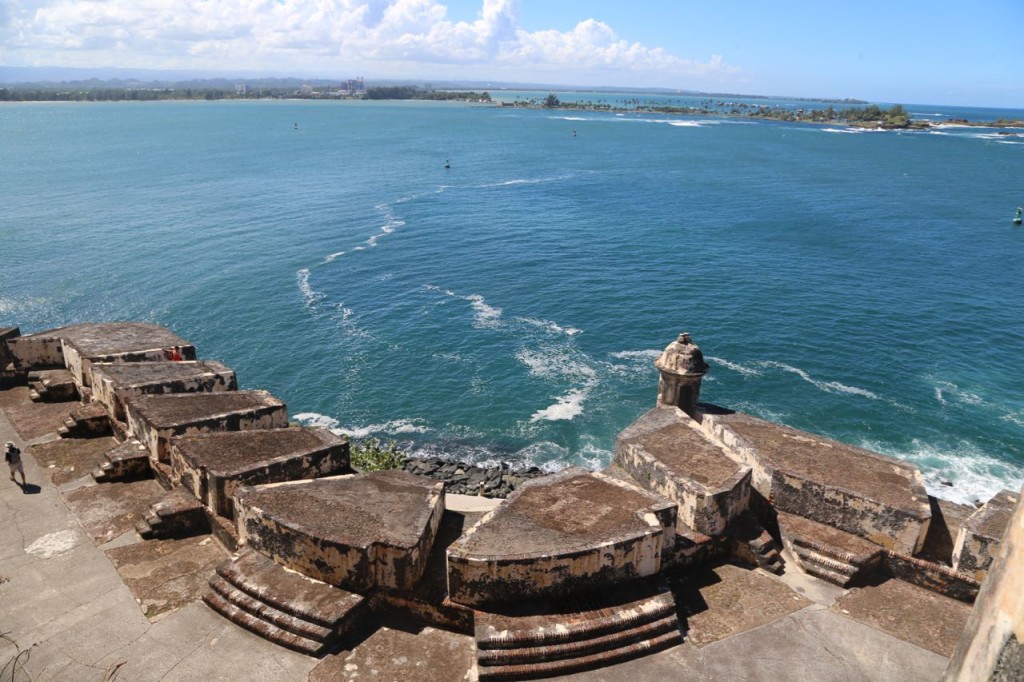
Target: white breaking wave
[556, 362]
[316, 419]
[845, 131]
[636, 354]
[827, 386]
[736, 367]
[310, 296]
[975, 475]
[331, 257]
[568, 118]
[567, 407]
[487, 316]
[549, 326]
[397, 426]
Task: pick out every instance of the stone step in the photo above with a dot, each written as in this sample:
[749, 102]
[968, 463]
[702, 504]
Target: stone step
[262, 628]
[125, 462]
[835, 572]
[571, 621]
[827, 552]
[578, 648]
[178, 514]
[265, 611]
[293, 593]
[144, 530]
[825, 574]
[582, 663]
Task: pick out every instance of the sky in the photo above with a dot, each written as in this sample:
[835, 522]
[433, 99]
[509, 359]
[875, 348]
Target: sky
[936, 52]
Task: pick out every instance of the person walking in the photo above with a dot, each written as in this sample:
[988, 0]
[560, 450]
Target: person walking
[12, 455]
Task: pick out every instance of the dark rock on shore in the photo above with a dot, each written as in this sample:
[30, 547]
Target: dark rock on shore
[461, 478]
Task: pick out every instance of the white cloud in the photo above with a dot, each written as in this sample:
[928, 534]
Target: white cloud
[382, 37]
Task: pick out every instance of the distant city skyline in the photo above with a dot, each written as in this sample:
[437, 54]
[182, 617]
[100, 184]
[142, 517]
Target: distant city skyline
[939, 53]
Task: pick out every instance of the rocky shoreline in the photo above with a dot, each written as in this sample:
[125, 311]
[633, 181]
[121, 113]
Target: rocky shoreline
[460, 478]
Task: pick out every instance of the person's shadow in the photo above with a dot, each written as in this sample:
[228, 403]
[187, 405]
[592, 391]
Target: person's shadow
[30, 488]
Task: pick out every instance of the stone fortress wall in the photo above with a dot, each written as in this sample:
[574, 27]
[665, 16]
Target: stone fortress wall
[690, 482]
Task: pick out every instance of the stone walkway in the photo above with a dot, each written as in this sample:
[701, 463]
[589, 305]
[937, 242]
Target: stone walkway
[83, 598]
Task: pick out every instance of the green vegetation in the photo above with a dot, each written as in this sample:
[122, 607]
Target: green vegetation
[413, 92]
[551, 101]
[374, 455]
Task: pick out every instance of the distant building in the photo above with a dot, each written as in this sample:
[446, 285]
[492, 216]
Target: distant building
[241, 89]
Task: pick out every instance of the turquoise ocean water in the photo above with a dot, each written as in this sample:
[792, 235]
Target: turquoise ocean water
[867, 286]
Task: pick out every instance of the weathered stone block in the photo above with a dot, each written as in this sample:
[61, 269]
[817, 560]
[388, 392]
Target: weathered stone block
[978, 540]
[571, 532]
[876, 497]
[214, 465]
[154, 420]
[113, 383]
[359, 532]
[667, 453]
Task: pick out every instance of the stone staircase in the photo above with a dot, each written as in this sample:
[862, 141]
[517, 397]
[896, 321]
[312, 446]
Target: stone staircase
[88, 421]
[754, 545]
[178, 514]
[126, 462]
[545, 639]
[52, 386]
[283, 606]
[828, 553]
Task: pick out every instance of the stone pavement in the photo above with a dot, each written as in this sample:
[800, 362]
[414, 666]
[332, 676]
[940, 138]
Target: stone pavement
[83, 598]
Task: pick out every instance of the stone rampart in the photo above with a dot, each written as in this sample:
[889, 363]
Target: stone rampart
[666, 452]
[531, 546]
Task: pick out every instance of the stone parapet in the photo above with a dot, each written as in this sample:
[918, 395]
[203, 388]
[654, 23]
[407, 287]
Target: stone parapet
[113, 383]
[978, 539]
[568, 533]
[154, 420]
[214, 465]
[360, 532]
[666, 452]
[864, 493]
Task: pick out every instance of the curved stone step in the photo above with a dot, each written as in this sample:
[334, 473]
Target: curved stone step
[578, 648]
[292, 593]
[588, 662]
[265, 611]
[494, 631]
[807, 556]
[262, 628]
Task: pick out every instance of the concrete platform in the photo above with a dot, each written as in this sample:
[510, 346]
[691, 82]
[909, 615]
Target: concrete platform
[167, 575]
[214, 465]
[947, 520]
[722, 601]
[912, 613]
[33, 421]
[111, 510]
[113, 383]
[666, 452]
[861, 492]
[572, 531]
[404, 651]
[154, 420]
[359, 532]
[66, 460]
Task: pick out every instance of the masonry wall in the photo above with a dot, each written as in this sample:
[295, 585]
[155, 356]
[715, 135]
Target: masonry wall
[704, 510]
[480, 579]
[992, 646]
[360, 569]
[36, 352]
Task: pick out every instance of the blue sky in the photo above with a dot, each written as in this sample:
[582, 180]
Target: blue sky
[911, 52]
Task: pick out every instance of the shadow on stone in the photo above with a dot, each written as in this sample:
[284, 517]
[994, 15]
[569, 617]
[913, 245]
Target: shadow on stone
[30, 489]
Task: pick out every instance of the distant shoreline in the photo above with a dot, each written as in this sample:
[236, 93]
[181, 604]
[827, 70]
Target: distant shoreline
[852, 117]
